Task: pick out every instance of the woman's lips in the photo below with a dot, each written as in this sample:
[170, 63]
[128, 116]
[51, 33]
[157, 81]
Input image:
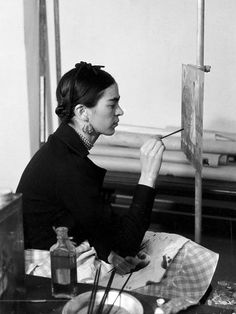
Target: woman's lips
[115, 124]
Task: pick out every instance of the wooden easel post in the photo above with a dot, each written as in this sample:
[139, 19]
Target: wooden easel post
[57, 42]
[57, 39]
[198, 172]
[42, 70]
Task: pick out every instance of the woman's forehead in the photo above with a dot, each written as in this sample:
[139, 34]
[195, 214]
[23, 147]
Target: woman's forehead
[111, 92]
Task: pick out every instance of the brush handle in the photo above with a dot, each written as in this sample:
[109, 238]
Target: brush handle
[121, 290]
[172, 133]
[108, 287]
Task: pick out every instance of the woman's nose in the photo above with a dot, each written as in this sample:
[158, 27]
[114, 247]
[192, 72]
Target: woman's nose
[119, 111]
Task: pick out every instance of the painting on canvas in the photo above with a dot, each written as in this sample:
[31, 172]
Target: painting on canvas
[192, 113]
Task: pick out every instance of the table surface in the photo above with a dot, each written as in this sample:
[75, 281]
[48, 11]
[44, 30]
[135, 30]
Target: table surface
[37, 299]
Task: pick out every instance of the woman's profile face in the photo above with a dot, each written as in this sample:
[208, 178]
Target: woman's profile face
[104, 116]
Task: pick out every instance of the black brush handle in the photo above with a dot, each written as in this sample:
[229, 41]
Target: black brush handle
[94, 290]
[121, 290]
[172, 133]
[102, 303]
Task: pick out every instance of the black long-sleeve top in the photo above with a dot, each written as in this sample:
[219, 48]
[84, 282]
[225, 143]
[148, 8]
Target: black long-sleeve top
[61, 186]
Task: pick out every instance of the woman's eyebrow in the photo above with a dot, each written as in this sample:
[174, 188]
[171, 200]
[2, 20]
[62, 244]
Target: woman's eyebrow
[114, 99]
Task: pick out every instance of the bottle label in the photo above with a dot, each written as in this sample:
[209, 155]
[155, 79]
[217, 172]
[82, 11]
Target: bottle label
[62, 276]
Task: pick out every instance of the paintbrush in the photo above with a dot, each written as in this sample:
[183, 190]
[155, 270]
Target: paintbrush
[121, 290]
[108, 287]
[171, 133]
[94, 290]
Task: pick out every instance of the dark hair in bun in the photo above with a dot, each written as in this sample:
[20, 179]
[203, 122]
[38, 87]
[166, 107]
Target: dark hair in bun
[84, 84]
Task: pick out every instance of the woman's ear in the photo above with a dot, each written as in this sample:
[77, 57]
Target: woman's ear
[80, 112]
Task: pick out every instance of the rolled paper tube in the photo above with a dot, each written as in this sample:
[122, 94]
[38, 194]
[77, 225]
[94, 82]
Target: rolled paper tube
[145, 130]
[125, 152]
[207, 134]
[125, 139]
[134, 140]
[115, 151]
[223, 159]
[212, 160]
[226, 173]
[226, 137]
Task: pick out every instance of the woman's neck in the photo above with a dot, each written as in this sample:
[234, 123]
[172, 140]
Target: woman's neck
[88, 139]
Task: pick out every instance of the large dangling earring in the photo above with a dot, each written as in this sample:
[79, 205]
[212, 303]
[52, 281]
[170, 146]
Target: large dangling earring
[88, 128]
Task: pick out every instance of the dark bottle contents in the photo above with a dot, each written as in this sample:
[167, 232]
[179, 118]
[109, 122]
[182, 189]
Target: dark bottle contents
[63, 265]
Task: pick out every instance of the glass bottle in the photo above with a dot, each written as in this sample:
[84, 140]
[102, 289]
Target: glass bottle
[63, 265]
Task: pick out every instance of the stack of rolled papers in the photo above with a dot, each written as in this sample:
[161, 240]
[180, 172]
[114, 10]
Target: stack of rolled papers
[120, 152]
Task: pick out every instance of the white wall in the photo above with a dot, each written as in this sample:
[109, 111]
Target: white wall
[142, 43]
[14, 119]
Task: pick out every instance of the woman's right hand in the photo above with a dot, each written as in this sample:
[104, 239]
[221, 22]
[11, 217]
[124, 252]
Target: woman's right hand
[151, 154]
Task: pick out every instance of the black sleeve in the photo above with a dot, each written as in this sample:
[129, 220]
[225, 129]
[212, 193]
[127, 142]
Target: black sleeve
[124, 234]
[95, 220]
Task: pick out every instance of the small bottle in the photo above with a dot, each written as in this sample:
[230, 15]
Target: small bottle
[63, 265]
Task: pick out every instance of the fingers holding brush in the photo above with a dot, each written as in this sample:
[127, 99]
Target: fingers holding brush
[151, 154]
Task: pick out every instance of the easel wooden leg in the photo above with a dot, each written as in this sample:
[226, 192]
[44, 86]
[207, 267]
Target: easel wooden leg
[198, 206]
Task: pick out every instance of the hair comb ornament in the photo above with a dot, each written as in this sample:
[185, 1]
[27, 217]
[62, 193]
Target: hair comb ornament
[88, 66]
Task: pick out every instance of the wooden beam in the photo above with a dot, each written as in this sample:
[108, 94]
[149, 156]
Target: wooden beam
[57, 39]
[42, 70]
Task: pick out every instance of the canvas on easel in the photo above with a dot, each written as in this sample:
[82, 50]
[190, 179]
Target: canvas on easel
[192, 114]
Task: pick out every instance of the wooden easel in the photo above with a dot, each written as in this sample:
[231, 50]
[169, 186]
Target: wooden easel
[198, 173]
[192, 150]
[200, 64]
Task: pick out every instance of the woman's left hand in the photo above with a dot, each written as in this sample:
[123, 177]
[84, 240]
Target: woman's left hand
[122, 265]
[141, 260]
[125, 265]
